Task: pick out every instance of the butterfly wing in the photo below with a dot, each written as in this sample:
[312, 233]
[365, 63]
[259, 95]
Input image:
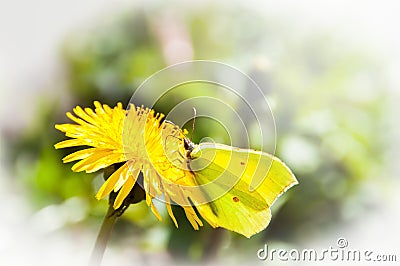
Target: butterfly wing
[240, 184]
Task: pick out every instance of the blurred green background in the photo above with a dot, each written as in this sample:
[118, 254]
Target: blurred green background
[329, 100]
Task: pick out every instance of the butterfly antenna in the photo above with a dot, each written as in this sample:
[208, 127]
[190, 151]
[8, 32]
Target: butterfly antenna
[194, 120]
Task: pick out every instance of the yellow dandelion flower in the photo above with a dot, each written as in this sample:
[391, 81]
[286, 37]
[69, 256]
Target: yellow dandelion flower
[138, 138]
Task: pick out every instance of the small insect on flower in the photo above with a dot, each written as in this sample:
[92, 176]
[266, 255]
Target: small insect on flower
[230, 187]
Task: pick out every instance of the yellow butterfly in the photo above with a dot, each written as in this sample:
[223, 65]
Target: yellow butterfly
[231, 187]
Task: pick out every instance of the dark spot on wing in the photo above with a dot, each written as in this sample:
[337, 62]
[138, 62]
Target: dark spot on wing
[242, 163]
[235, 199]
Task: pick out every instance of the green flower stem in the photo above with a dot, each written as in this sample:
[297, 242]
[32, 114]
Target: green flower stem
[102, 238]
[135, 195]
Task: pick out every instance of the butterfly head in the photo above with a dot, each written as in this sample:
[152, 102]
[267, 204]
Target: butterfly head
[188, 144]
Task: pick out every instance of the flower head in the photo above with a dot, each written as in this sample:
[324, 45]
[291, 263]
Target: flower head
[141, 140]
